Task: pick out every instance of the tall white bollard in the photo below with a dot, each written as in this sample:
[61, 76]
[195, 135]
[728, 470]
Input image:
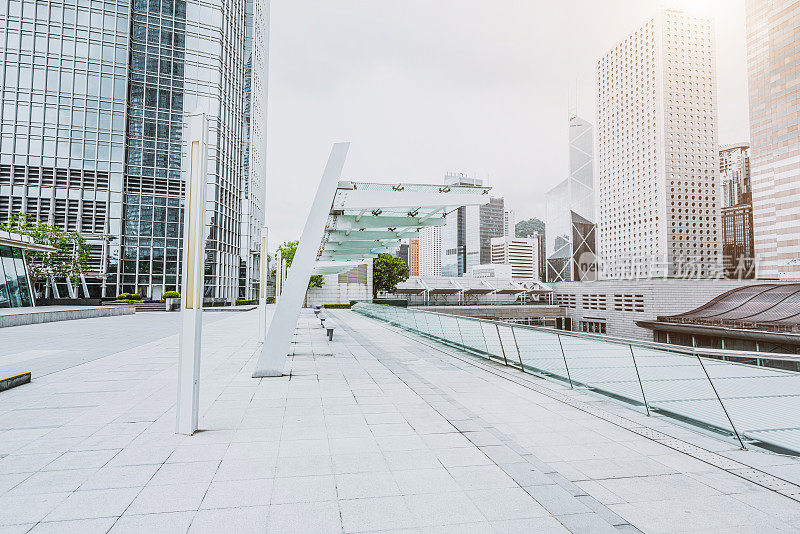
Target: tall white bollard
[192, 277]
[262, 287]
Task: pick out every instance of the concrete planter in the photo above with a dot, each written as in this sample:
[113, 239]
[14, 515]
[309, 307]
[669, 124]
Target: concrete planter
[173, 304]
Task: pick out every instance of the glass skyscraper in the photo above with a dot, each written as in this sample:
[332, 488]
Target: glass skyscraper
[94, 96]
[571, 239]
[63, 118]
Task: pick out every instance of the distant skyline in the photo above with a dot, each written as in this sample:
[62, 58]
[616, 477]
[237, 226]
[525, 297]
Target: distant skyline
[453, 86]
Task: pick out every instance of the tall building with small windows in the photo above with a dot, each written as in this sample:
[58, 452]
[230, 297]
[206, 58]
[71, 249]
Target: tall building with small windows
[95, 95]
[413, 256]
[509, 223]
[773, 76]
[430, 251]
[657, 151]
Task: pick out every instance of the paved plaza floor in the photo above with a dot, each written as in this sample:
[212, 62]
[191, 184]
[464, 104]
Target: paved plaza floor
[379, 430]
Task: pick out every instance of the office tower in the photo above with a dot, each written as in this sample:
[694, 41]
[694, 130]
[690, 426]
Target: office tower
[509, 223]
[254, 171]
[737, 211]
[430, 251]
[734, 174]
[541, 255]
[657, 151]
[413, 256]
[571, 235]
[467, 234]
[402, 252]
[461, 234]
[493, 223]
[63, 122]
[98, 107]
[774, 83]
[521, 253]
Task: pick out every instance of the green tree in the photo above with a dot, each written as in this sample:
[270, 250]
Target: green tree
[529, 227]
[70, 258]
[287, 252]
[387, 272]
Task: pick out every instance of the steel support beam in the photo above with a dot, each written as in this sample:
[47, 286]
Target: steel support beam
[349, 222]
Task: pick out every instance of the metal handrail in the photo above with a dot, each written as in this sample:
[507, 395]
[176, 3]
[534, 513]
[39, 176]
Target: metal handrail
[687, 351]
[399, 316]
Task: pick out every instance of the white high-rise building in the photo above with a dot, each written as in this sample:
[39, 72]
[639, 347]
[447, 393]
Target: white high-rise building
[509, 224]
[657, 151]
[430, 251]
[522, 254]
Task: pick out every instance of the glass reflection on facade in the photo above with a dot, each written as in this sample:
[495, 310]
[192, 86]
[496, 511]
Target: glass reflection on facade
[94, 96]
[153, 183]
[63, 118]
[14, 288]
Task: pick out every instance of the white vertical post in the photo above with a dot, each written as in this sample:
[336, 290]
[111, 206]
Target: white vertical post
[284, 321]
[262, 287]
[192, 276]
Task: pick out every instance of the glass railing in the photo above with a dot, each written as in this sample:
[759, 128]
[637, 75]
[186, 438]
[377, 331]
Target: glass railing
[746, 403]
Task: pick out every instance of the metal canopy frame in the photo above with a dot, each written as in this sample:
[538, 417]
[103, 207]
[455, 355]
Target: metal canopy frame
[349, 223]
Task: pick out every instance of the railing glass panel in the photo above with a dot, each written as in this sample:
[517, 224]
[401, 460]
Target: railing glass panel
[749, 403]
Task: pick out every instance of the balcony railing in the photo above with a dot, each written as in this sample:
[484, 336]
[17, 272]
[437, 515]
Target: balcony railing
[748, 404]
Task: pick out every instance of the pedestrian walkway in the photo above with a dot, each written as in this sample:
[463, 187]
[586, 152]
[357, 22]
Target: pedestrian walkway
[379, 430]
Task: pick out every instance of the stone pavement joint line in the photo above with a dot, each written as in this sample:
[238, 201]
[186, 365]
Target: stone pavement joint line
[766, 480]
[376, 431]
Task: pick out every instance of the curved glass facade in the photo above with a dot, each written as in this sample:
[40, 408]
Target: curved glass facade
[15, 290]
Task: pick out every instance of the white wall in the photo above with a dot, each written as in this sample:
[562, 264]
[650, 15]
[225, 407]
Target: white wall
[333, 292]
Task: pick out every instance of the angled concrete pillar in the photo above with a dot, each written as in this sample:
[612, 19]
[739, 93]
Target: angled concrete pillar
[287, 311]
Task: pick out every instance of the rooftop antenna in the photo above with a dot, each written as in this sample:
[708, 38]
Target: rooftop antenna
[573, 107]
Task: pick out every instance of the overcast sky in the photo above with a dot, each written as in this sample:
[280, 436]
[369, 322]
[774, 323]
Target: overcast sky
[424, 87]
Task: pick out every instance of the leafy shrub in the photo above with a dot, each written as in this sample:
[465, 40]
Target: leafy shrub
[241, 302]
[336, 306]
[135, 296]
[270, 300]
[171, 295]
[123, 296]
[126, 301]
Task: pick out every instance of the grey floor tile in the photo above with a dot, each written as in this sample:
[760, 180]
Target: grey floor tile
[167, 522]
[416, 481]
[316, 517]
[18, 509]
[383, 513]
[236, 493]
[84, 526]
[361, 485]
[433, 509]
[94, 503]
[507, 503]
[174, 498]
[303, 489]
[242, 520]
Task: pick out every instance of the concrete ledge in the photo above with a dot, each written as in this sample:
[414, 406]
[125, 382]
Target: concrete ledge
[23, 316]
[245, 308]
[12, 380]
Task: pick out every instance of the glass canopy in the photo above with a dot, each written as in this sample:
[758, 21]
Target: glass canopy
[367, 219]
